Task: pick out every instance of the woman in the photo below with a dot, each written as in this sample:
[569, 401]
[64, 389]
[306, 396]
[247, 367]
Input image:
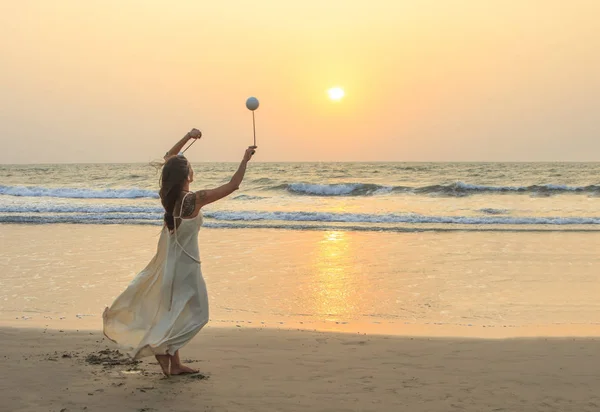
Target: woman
[166, 304]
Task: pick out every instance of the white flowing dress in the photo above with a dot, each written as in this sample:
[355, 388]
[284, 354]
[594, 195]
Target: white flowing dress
[166, 304]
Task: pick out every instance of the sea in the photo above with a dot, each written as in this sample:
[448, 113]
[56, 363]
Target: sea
[394, 197]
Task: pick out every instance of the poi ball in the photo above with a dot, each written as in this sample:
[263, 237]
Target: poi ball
[252, 103]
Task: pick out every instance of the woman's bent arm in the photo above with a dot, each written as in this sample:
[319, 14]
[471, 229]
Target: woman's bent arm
[192, 134]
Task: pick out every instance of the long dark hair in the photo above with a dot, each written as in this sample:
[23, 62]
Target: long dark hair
[172, 179]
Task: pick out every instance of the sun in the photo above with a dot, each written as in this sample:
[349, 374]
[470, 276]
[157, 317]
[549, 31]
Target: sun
[336, 93]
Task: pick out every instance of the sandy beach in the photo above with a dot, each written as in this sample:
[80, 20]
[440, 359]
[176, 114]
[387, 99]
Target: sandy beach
[269, 370]
[320, 321]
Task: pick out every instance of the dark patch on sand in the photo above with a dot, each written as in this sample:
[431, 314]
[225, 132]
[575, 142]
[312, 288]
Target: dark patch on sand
[109, 358]
[197, 377]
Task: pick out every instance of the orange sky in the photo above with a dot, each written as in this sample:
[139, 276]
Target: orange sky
[429, 80]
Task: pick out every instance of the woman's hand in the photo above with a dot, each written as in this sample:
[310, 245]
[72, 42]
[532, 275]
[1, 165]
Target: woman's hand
[194, 134]
[249, 153]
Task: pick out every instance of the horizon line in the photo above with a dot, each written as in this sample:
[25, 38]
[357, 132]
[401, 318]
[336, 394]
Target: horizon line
[150, 163]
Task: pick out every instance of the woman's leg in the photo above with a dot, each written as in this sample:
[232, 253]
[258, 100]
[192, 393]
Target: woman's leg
[177, 368]
[163, 361]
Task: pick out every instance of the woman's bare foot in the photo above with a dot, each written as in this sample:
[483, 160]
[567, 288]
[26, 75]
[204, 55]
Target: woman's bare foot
[182, 370]
[164, 361]
[177, 368]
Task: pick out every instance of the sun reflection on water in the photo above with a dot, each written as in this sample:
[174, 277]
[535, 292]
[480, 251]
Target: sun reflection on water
[335, 285]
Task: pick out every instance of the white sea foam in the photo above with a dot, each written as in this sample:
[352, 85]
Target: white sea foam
[80, 208]
[77, 193]
[396, 218]
[310, 189]
[451, 189]
[345, 189]
[82, 213]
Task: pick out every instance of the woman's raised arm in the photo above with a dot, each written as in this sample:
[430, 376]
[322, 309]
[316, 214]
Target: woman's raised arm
[204, 197]
[192, 134]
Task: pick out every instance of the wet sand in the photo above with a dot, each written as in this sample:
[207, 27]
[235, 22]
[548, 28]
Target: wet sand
[479, 284]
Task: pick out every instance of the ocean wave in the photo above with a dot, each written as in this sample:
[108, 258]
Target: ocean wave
[457, 189]
[301, 226]
[464, 189]
[343, 189]
[84, 218]
[78, 213]
[491, 211]
[67, 208]
[248, 197]
[396, 218]
[262, 180]
[77, 193]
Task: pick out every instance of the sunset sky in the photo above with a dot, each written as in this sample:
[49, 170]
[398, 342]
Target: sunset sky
[424, 80]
